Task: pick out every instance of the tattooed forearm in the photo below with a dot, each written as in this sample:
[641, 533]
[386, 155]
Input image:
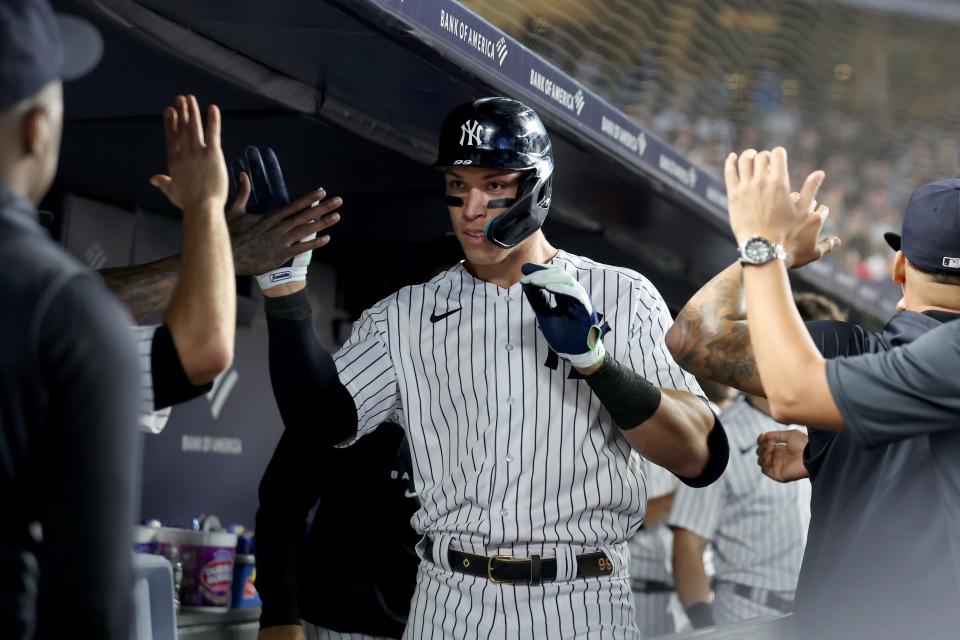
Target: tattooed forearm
[144, 288]
[729, 359]
[710, 337]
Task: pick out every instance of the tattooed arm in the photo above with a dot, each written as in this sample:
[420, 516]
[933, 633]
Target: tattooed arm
[144, 288]
[710, 337]
[260, 243]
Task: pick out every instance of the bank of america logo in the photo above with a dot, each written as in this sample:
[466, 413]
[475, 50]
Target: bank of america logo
[502, 50]
[470, 131]
[579, 101]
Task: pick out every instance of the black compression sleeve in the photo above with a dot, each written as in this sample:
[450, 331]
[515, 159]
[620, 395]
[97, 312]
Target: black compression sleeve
[288, 491]
[318, 412]
[304, 377]
[91, 464]
[170, 382]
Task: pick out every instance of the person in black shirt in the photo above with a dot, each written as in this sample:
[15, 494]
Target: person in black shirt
[355, 570]
[69, 464]
[875, 561]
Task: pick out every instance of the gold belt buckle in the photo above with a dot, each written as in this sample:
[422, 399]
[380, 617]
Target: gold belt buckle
[490, 569]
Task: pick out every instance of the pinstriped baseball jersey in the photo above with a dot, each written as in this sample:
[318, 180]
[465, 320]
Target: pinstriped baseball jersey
[151, 421]
[511, 450]
[757, 526]
[651, 547]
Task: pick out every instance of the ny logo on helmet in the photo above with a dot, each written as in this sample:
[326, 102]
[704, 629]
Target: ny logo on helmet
[471, 131]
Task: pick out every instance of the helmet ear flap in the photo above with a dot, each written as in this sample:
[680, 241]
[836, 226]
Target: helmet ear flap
[525, 215]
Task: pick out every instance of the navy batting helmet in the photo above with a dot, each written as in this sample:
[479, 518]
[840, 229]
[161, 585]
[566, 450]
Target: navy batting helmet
[500, 133]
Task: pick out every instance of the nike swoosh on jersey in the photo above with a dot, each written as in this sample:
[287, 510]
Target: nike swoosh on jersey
[409, 494]
[434, 318]
[749, 447]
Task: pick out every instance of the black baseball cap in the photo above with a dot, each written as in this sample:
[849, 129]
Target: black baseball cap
[930, 238]
[38, 46]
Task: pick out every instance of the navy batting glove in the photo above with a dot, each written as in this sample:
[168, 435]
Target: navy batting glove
[268, 190]
[268, 193]
[572, 325]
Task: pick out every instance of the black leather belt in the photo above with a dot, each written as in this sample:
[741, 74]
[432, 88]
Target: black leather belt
[533, 570]
[772, 601]
[651, 586]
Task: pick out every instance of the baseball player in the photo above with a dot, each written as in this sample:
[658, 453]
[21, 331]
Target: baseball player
[757, 528]
[651, 575]
[865, 573]
[529, 382]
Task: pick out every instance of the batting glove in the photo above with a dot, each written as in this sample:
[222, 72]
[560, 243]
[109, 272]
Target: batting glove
[268, 193]
[572, 325]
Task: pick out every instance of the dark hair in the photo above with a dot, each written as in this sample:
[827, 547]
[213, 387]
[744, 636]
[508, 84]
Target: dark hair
[939, 278]
[816, 307]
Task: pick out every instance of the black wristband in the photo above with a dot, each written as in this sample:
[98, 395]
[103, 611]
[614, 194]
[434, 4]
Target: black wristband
[629, 398]
[701, 615]
[719, 451]
[295, 306]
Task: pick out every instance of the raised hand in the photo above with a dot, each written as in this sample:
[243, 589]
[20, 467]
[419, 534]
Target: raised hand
[760, 203]
[270, 233]
[197, 171]
[803, 243]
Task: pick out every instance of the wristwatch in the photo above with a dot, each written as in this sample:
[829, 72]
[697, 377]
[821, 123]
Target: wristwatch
[759, 250]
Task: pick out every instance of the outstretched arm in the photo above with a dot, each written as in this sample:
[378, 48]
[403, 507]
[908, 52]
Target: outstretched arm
[710, 337]
[791, 367]
[144, 288]
[202, 314]
[259, 244]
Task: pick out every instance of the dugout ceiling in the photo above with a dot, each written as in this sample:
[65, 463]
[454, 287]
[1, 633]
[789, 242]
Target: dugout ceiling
[351, 95]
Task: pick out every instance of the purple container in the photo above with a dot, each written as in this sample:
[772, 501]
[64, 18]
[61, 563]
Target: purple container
[207, 558]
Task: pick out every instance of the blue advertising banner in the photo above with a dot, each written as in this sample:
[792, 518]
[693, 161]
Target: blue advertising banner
[493, 56]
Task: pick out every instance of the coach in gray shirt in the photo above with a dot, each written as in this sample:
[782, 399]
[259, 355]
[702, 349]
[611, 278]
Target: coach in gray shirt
[795, 380]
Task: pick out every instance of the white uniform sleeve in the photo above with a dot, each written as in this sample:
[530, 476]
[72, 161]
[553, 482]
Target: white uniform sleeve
[660, 482]
[366, 370]
[150, 421]
[698, 510]
[648, 353]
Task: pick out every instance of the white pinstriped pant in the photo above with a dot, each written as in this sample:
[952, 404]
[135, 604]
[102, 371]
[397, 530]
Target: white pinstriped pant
[313, 632]
[456, 605]
[653, 613]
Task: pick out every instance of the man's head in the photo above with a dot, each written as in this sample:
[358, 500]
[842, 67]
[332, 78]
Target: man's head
[927, 262]
[498, 168]
[37, 50]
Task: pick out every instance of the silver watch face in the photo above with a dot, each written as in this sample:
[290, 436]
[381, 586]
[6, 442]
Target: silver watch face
[758, 251]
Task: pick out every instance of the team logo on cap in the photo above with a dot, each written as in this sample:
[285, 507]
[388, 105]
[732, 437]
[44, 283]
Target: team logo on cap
[951, 263]
[470, 131]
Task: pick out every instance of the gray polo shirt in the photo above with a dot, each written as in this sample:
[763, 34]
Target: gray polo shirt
[877, 562]
[908, 393]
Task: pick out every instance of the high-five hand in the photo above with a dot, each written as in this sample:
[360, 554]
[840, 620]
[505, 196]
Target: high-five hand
[274, 238]
[760, 204]
[198, 173]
